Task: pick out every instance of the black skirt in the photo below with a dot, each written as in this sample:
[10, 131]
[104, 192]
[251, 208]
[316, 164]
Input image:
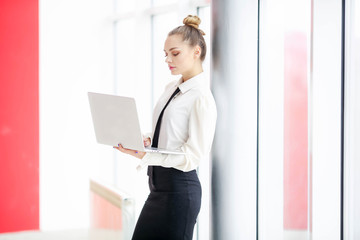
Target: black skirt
[172, 206]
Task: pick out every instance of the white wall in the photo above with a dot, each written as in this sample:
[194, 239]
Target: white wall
[76, 56]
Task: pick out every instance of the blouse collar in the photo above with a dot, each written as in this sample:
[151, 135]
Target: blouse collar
[191, 83]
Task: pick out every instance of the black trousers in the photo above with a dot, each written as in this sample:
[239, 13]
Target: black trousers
[172, 206]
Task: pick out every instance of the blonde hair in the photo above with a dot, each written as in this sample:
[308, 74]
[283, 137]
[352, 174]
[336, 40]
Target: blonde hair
[191, 33]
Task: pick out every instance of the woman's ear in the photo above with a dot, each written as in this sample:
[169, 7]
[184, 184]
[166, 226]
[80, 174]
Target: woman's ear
[197, 52]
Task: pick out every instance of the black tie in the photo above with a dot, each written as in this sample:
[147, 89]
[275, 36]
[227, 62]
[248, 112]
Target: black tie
[155, 139]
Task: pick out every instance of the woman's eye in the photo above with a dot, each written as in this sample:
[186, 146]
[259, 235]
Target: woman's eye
[175, 54]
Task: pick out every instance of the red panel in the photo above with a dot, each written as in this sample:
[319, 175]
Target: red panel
[19, 115]
[295, 132]
[104, 215]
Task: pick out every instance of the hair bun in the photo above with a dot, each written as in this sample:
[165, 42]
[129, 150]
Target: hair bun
[193, 21]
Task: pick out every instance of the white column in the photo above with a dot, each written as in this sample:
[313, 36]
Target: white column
[271, 120]
[234, 83]
[326, 119]
[352, 119]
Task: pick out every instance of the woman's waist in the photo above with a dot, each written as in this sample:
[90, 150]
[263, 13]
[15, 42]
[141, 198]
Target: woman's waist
[171, 179]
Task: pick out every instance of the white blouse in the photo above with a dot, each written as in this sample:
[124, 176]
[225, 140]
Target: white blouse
[188, 125]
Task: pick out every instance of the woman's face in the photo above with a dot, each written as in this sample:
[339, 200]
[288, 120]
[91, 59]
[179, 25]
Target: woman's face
[180, 56]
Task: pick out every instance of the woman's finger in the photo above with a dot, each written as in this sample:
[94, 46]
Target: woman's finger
[146, 142]
[131, 152]
[126, 150]
[120, 148]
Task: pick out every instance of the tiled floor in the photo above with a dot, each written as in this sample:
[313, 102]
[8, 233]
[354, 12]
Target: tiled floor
[85, 234]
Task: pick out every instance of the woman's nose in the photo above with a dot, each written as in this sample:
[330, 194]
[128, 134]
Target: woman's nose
[167, 59]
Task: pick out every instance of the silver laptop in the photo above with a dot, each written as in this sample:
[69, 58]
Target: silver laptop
[116, 121]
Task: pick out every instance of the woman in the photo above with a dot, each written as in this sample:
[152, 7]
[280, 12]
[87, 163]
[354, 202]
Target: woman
[184, 119]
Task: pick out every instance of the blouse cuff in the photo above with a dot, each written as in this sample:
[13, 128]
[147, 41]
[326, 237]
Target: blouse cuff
[150, 159]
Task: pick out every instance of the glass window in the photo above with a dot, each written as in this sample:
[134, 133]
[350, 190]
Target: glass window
[126, 54]
[124, 6]
[133, 68]
[163, 2]
[205, 15]
[162, 25]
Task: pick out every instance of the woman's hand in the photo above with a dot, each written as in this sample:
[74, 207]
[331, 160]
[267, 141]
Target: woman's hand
[134, 153]
[147, 141]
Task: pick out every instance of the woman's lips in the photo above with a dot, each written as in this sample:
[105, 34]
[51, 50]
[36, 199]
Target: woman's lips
[171, 68]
